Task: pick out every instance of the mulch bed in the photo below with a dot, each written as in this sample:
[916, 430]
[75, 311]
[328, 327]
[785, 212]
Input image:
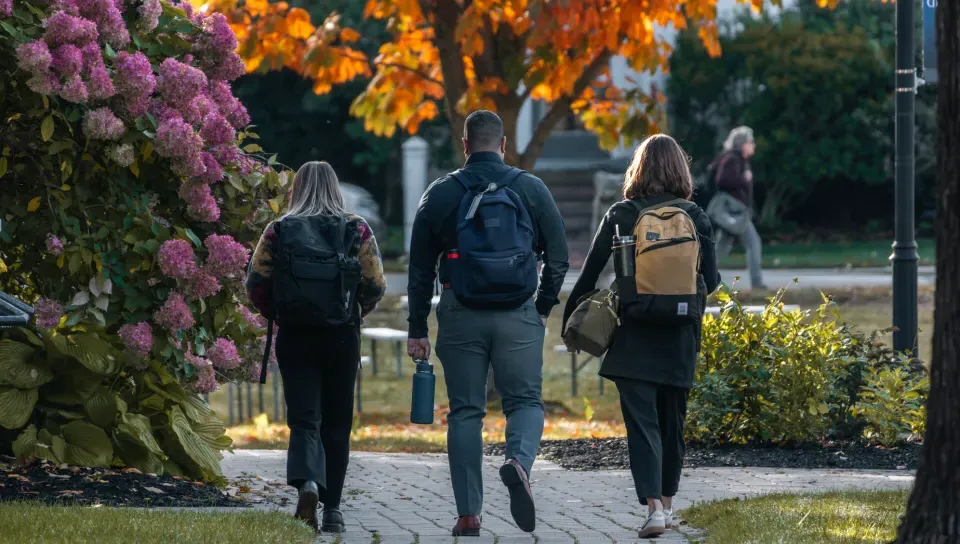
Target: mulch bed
[611, 453]
[42, 481]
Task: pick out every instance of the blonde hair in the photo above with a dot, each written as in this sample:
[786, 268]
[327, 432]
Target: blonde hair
[659, 166]
[316, 191]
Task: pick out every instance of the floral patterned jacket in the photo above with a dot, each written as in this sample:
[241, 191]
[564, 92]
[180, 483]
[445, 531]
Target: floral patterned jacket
[372, 286]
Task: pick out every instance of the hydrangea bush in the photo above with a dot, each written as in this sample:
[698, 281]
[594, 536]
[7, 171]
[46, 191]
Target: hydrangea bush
[132, 196]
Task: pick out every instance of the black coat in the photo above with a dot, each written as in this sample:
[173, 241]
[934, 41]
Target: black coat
[665, 354]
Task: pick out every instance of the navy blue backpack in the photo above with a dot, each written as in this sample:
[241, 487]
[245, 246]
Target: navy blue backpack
[493, 266]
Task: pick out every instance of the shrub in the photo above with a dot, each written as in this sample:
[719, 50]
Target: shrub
[797, 376]
[129, 212]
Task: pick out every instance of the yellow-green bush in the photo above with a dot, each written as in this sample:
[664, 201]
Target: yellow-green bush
[797, 376]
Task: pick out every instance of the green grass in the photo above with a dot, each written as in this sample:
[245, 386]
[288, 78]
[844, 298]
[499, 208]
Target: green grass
[856, 254]
[26, 523]
[858, 517]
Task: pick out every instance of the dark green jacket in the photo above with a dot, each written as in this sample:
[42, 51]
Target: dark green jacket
[665, 354]
[434, 232]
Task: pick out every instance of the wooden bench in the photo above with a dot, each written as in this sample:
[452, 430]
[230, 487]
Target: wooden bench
[383, 334]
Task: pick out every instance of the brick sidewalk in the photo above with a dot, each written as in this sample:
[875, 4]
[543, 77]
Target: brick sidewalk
[407, 499]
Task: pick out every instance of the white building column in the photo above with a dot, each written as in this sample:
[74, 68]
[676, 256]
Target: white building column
[525, 125]
[416, 163]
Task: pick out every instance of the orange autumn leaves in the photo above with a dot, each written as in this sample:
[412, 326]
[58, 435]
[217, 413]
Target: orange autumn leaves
[509, 50]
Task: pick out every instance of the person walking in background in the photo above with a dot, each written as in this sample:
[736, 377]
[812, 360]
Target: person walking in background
[731, 210]
[317, 271]
[487, 223]
[652, 360]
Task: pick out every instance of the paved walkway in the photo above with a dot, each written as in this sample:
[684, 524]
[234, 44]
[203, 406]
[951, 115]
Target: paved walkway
[775, 279]
[407, 499]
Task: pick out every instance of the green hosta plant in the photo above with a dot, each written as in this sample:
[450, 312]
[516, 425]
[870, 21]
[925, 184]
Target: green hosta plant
[133, 192]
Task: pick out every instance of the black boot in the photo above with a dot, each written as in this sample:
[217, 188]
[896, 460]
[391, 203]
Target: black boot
[307, 504]
[332, 521]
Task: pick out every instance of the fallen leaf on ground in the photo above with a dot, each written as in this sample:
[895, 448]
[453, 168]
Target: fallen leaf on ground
[132, 470]
[71, 492]
[155, 490]
[244, 489]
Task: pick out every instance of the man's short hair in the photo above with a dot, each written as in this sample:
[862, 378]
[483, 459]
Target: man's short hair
[483, 129]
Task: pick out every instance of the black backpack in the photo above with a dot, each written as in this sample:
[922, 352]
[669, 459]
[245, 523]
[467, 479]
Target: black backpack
[314, 280]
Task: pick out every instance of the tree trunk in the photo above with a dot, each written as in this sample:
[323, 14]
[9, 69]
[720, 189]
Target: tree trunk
[933, 512]
[446, 14]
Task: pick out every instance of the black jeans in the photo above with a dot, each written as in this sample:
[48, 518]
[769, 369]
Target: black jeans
[319, 369]
[654, 415]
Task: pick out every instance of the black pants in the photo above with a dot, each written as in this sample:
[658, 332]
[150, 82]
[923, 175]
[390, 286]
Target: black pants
[654, 415]
[319, 369]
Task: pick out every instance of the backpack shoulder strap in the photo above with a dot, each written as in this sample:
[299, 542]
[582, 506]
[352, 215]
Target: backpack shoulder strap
[341, 234]
[461, 176]
[512, 175]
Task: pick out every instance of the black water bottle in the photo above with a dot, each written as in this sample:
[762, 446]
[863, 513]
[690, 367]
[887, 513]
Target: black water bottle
[624, 254]
[424, 387]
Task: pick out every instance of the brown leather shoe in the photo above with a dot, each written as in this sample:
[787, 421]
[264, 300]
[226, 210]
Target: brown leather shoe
[467, 526]
[521, 497]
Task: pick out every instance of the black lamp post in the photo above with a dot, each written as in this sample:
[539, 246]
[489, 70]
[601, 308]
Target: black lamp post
[905, 258]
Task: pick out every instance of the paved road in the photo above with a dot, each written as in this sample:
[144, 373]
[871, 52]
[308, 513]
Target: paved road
[818, 279]
[407, 499]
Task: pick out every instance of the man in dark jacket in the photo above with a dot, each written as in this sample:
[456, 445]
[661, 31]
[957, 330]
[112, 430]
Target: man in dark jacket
[735, 178]
[469, 340]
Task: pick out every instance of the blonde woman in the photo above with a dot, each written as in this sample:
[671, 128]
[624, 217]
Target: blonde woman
[317, 272]
[652, 364]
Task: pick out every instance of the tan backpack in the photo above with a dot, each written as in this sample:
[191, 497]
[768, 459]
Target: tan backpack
[667, 266]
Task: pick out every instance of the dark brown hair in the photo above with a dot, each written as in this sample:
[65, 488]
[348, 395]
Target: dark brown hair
[660, 166]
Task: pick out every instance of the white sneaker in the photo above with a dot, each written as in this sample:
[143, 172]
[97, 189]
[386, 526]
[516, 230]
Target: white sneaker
[655, 525]
[669, 520]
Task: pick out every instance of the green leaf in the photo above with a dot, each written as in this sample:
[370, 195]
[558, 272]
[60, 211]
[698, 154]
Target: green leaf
[16, 369]
[57, 147]
[154, 402]
[89, 350]
[102, 408]
[3, 166]
[75, 262]
[192, 451]
[252, 148]
[111, 54]
[16, 405]
[46, 128]
[272, 160]
[136, 445]
[87, 445]
[28, 446]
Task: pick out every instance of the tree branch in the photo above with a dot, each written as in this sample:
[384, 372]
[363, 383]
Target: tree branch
[446, 14]
[560, 109]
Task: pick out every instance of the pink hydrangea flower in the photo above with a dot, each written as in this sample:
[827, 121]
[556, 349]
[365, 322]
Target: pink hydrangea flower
[62, 28]
[175, 315]
[177, 259]
[217, 37]
[48, 313]
[213, 172]
[122, 154]
[226, 154]
[34, 57]
[229, 106]
[200, 202]
[206, 381]
[6, 8]
[224, 354]
[106, 14]
[199, 107]
[176, 139]
[138, 338]
[74, 90]
[134, 80]
[67, 60]
[202, 285]
[54, 245]
[225, 256]
[149, 11]
[103, 124]
[99, 84]
[252, 319]
[180, 83]
[46, 83]
[228, 68]
[217, 130]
